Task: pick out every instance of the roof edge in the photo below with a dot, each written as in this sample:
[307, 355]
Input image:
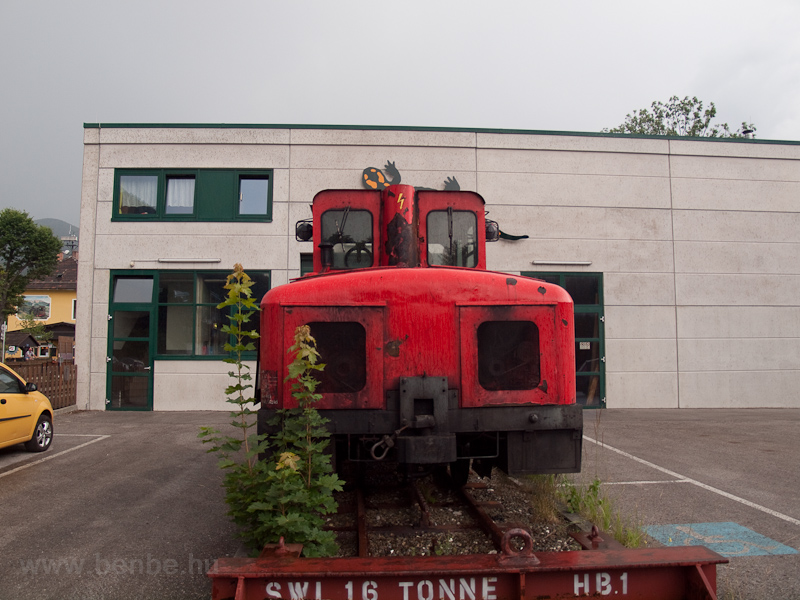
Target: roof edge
[432, 129]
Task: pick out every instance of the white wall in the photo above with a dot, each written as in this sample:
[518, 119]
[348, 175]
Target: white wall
[698, 242]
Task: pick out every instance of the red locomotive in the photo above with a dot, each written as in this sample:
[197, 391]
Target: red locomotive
[430, 358]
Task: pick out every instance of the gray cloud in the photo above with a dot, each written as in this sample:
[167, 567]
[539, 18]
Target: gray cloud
[571, 66]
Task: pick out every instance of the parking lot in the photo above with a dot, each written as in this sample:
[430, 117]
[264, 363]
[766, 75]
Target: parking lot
[123, 505]
[725, 478]
[129, 505]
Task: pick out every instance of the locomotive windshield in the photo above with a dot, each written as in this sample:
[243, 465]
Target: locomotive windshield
[452, 238]
[350, 233]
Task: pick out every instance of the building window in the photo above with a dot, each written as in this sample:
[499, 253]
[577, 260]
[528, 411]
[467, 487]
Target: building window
[188, 320]
[138, 194]
[180, 195]
[192, 195]
[174, 314]
[74, 308]
[253, 195]
[306, 263]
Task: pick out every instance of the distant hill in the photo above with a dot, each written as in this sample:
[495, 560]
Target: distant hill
[60, 228]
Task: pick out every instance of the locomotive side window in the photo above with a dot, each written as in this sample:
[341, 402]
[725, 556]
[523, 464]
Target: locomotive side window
[452, 238]
[508, 355]
[343, 349]
[350, 233]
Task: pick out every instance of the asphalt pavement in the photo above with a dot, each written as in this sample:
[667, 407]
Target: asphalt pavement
[724, 478]
[128, 505]
[123, 505]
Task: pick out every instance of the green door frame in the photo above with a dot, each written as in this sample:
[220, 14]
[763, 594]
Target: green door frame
[119, 307]
[593, 394]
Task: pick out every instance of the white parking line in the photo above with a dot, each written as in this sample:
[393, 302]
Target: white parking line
[57, 454]
[646, 482]
[699, 484]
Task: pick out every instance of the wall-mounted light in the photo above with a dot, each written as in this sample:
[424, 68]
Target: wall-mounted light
[189, 260]
[175, 260]
[563, 263]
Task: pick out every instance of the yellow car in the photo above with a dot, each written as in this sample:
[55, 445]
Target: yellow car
[26, 416]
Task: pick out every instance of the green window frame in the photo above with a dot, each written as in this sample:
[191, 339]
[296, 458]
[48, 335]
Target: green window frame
[586, 290]
[186, 323]
[212, 195]
[189, 324]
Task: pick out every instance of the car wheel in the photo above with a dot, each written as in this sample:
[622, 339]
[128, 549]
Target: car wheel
[42, 435]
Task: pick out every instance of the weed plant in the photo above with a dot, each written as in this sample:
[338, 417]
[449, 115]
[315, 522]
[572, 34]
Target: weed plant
[286, 495]
[593, 504]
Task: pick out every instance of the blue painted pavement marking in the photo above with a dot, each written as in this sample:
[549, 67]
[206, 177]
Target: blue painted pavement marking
[727, 539]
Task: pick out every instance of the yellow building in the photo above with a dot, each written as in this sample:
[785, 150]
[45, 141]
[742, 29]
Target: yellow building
[51, 301]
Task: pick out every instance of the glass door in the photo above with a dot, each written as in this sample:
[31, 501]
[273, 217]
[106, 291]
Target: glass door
[130, 335]
[586, 290]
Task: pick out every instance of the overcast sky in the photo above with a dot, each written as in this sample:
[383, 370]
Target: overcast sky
[556, 65]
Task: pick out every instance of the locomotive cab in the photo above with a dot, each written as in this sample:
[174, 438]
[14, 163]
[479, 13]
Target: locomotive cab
[420, 229]
[430, 358]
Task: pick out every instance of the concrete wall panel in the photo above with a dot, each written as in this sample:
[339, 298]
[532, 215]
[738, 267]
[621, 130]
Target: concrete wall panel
[132, 229]
[607, 256]
[118, 251]
[191, 385]
[723, 148]
[640, 355]
[565, 222]
[176, 156]
[572, 163]
[737, 290]
[748, 169]
[739, 354]
[558, 189]
[730, 194]
[740, 389]
[96, 397]
[100, 321]
[304, 184]
[640, 322]
[447, 160]
[644, 289]
[642, 390]
[362, 137]
[738, 322]
[192, 135]
[574, 143]
[737, 226]
[731, 257]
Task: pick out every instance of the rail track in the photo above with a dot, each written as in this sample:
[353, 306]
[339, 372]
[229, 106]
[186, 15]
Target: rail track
[385, 514]
[424, 539]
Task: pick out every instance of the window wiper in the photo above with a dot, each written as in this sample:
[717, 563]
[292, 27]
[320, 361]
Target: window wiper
[340, 228]
[450, 234]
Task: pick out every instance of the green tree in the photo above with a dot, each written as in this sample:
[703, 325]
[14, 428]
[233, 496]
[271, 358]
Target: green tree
[27, 252]
[36, 329]
[678, 117]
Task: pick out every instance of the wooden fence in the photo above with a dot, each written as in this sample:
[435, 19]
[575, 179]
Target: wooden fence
[57, 381]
